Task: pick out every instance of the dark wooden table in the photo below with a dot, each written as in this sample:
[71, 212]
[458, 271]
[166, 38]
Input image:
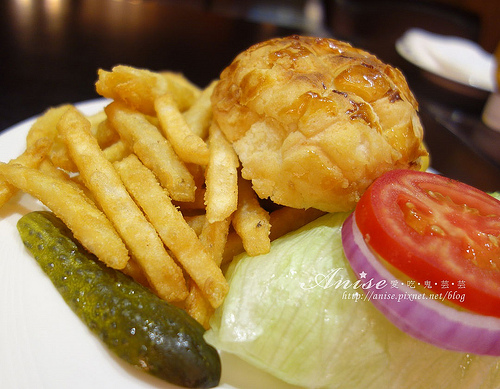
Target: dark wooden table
[51, 50]
[50, 54]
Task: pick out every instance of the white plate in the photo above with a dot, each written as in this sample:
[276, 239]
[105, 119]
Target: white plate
[43, 344]
[454, 58]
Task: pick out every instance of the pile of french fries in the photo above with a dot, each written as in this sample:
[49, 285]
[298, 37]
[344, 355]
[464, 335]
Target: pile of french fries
[150, 185]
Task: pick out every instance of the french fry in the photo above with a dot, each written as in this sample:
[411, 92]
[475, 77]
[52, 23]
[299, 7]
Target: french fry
[197, 206]
[251, 221]
[59, 155]
[197, 306]
[134, 270]
[46, 125]
[196, 222]
[102, 130]
[48, 168]
[183, 90]
[31, 157]
[283, 221]
[88, 224]
[221, 196]
[286, 219]
[95, 120]
[199, 115]
[116, 151]
[138, 88]
[233, 247]
[153, 150]
[189, 147]
[163, 274]
[173, 228]
[214, 238]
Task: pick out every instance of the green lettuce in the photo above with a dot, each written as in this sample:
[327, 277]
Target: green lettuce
[496, 195]
[288, 313]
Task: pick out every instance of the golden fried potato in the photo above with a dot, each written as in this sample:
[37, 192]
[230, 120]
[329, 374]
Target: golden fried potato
[221, 196]
[135, 271]
[188, 146]
[214, 238]
[99, 175]
[199, 116]
[173, 229]
[102, 130]
[184, 91]
[88, 224]
[233, 247]
[32, 157]
[116, 151]
[286, 219]
[138, 88]
[48, 168]
[251, 221]
[314, 120]
[282, 221]
[153, 150]
[197, 206]
[59, 155]
[196, 222]
[45, 126]
[197, 306]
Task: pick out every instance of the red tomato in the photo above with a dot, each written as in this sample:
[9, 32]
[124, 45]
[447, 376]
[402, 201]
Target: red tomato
[441, 233]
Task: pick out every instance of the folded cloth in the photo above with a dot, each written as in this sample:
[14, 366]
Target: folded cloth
[452, 57]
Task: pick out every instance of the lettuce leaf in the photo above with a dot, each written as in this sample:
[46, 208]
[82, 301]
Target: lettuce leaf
[288, 313]
[495, 195]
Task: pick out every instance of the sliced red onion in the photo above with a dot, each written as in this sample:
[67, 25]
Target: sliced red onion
[423, 318]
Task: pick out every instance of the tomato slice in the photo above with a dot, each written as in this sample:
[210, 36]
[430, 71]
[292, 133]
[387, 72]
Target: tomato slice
[443, 234]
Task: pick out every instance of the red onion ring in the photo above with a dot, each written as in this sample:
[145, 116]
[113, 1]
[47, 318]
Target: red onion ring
[423, 318]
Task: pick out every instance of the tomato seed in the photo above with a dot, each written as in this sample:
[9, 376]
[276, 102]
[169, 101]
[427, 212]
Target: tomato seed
[493, 239]
[410, 205]
[437, 230]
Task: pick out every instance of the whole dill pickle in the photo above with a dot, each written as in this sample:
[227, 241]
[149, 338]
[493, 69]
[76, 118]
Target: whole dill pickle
[133, 322]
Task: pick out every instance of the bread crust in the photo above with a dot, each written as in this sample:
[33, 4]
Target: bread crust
[314, 121]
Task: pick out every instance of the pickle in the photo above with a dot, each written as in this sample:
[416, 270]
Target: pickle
[134, 323]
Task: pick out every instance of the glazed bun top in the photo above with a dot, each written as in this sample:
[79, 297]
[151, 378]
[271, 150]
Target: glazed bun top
[314, 121]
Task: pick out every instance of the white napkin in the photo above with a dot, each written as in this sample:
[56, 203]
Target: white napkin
[452, 57]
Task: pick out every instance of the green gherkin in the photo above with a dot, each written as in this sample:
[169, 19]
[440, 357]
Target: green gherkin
[134, 323]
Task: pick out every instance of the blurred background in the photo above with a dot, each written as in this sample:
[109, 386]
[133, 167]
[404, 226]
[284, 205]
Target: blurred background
[51, 50]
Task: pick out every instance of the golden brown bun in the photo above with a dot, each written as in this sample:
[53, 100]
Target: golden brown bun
[315, 121]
